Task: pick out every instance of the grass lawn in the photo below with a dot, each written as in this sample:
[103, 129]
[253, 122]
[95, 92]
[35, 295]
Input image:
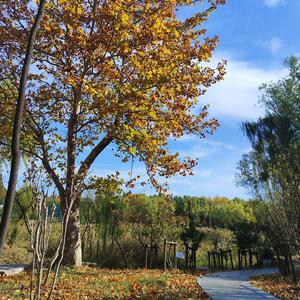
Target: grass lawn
[94, 283]
[279, 286]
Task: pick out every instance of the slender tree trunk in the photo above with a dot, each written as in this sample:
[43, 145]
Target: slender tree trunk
[15, 144]
[291, 263]
[122, 253]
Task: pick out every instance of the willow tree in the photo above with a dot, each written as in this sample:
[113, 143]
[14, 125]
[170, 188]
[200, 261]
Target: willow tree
[122, 72]
[272, 168]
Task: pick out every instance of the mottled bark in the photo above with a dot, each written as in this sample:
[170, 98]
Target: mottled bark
[72, 252]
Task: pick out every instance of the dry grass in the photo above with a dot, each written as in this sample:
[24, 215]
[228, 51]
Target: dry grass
[279, 286]
[17, 250]
[94, 283]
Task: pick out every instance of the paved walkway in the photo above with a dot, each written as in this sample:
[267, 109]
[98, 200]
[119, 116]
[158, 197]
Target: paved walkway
[9, 270]
[234, 285]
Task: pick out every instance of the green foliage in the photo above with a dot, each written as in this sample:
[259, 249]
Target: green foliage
[247, 235]
[192, 235]
[214, 212]
[152, 218]
[220, 238]
[117, 227]
[226, 213]
[191, 206]
[13, 236]
[219, 222]
[282, 98]
[23, 204]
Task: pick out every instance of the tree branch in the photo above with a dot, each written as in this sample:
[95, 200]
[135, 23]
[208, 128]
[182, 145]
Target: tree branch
[93, 155]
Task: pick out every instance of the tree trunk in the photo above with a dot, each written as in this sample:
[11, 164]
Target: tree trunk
[73, 252]
[15, 144]
[72, 255]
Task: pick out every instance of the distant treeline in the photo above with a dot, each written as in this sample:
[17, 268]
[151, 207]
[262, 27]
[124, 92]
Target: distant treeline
[117, 228]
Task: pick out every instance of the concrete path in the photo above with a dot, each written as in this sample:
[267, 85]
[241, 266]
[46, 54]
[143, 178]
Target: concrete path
[234, 285]
[9, 270]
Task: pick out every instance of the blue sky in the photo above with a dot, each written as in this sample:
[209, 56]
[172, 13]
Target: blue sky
[255, 37]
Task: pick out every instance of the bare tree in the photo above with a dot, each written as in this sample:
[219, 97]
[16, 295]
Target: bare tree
[45, 269]
[40, 232]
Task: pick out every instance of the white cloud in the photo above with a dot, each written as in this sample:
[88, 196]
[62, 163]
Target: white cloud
[194, 139]
[207, 183]
[273, 3]
[274, 45]
[203, 148]
[237, 95]
[220, 145]
[189, 181]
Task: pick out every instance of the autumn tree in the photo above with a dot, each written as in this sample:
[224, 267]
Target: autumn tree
[126, 73]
